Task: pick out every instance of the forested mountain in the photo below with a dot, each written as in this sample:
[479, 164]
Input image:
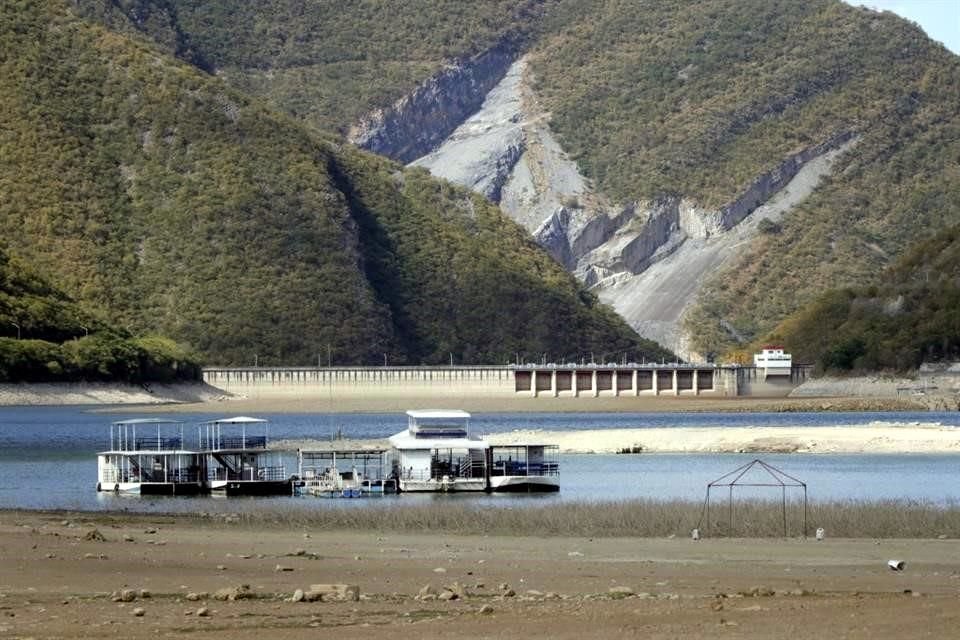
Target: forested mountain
[171, 203]
[690, 107]
[325, 61]
[46, 337]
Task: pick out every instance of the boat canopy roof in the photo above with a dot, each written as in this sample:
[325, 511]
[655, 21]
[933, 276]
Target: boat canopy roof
[236, 420]
[148, 421]
[438, 414]
[407, 441]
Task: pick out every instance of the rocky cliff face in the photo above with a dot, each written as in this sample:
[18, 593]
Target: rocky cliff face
[646, 259]
[417, 123]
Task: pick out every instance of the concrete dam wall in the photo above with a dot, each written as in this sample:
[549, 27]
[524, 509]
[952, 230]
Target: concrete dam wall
[541, 381]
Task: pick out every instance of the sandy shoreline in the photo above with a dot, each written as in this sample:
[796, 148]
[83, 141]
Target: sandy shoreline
[869, 438]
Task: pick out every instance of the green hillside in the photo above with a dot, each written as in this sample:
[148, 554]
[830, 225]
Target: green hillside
[46, 337]
[324, 61]
[156, 194]
[911, 316]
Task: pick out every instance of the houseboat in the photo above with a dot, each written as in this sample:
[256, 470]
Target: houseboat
[147, 456]
[344, 473]
[437, 453]
[238, 461]
[524, 468]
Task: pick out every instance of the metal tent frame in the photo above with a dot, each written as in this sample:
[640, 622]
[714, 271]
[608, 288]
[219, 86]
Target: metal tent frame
[778, 478]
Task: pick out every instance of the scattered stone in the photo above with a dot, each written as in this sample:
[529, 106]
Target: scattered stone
[280, 567]
[50, 556]
[203, 612]
[509, 593]
[758, 592]
[144, 594]
[125, 595]
[95, 536]
[620, 592]
[221, 567]
[503, 586]
[574, 554]
[457, 589]
[533, 593]
[150, 530]
[193, 597]
[300, 552]
[426, 590]
[440, 570]
[942, 536]
[486, 609]
[244, 556]
[139, 612]
[240, 592]
[349, 592]
[896, 565]
[128, 538]
[298, 595]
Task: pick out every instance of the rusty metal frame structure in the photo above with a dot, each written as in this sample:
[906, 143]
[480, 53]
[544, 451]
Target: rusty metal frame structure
[778, 478]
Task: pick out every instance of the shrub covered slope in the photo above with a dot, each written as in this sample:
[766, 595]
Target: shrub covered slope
[912, 315]
[174, 204]
[46, 337]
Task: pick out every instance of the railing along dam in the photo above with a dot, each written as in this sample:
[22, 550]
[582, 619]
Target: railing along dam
[538, 381]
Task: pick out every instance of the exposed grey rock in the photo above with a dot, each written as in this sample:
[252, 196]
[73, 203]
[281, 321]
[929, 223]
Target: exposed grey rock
[298, 595]
[139, 612]
[417, 123]
[481, 152]
[649, 259]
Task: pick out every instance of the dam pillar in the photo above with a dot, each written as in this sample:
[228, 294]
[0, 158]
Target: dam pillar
[634, 384]
[573, 383]
[696, 385]
[594, 388]
[533, 382]
[553, 383]
[654, 381]
[675, 387]
[615, 382]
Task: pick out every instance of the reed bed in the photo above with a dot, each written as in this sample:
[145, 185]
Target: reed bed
[632, 518]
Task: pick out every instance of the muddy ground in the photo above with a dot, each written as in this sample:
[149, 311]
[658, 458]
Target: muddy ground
[59, 580]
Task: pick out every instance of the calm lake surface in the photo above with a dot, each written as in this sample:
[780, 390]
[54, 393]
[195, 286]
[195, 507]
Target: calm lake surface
[48, 460]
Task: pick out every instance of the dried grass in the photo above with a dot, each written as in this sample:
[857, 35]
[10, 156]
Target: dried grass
[632, 518]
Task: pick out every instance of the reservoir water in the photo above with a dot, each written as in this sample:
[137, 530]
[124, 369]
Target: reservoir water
[48, 459]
